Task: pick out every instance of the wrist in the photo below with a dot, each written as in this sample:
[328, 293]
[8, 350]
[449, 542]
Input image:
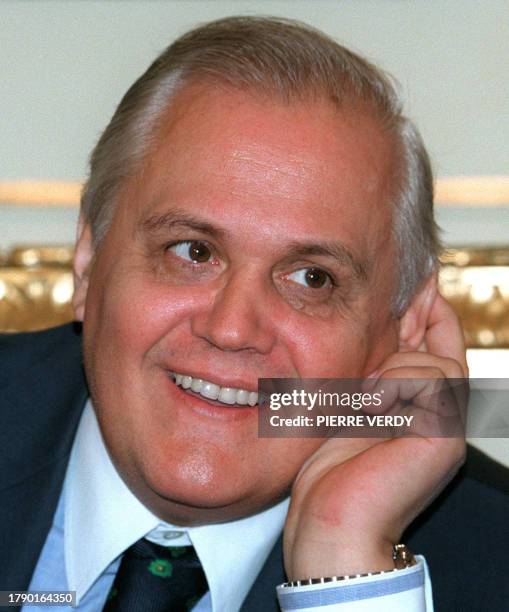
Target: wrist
[341, 559]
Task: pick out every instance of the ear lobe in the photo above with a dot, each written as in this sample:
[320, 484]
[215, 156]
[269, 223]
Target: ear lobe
[83, 255]
[413, 324]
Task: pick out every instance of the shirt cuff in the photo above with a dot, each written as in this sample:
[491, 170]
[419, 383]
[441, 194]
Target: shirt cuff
[406, 590]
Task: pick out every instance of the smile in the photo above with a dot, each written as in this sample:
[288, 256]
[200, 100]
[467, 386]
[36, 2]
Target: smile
[209, 390]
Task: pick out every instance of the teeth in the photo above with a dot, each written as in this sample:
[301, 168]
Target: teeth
[210, 390]
[196, 385]
[242, 397]
[226, 395]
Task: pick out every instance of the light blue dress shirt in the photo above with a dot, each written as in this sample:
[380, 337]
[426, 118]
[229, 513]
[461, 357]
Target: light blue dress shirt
[98, 518]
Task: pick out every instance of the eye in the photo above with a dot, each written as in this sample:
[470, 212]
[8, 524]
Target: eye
[195, 251]
[315, 278]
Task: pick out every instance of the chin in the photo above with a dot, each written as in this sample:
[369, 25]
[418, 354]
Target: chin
[195, 485]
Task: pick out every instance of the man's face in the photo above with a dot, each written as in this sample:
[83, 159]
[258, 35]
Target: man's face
[255, 242]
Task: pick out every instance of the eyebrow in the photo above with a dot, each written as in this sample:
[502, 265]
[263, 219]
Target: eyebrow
[177, 218]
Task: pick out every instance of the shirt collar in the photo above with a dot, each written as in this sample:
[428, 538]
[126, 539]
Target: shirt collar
[102, 518]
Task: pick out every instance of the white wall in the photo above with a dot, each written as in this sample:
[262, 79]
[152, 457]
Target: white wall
[65, 64]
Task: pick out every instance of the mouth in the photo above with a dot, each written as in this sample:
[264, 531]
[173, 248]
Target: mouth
[217, 395]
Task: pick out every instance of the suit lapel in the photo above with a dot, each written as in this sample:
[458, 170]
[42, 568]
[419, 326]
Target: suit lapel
[40, 409]
[262, 595]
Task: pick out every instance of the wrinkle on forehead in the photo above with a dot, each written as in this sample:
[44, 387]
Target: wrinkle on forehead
[258, 166]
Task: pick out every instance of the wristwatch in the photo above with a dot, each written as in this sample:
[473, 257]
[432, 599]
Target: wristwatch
[402, 557]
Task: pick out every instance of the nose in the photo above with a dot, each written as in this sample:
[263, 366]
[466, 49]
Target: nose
[238, 317]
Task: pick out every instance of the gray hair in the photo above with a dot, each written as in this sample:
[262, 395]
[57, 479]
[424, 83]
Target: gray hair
[278, 58]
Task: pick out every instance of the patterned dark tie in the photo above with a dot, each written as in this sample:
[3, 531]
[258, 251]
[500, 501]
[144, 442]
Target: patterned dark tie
[153, 578]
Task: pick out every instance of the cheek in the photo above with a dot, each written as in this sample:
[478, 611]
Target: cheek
[385, 342]
[135, 314]
[336, 348]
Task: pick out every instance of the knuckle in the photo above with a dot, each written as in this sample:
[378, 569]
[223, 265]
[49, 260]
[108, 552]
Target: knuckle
[436, 372]
[393, 373]
[453, 368]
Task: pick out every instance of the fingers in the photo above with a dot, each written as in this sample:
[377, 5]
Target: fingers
[430, 388]
[426, 403]
[445, 366]
[415, 376]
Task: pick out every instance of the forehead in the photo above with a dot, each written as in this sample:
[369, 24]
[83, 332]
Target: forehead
[234, 155]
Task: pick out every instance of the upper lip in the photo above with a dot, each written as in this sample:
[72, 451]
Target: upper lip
[221, 381]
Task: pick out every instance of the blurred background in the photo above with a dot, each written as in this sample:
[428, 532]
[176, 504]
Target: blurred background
[64, 64]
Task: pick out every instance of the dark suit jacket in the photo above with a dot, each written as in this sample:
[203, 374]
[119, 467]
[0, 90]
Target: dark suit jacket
[464, 535]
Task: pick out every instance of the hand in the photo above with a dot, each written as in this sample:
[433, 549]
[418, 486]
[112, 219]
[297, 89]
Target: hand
[354, 497]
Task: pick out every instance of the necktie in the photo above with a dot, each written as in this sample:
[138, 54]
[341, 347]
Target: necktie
[153, 578]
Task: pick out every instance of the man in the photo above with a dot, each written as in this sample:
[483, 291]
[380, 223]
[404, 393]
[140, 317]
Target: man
[257, 207]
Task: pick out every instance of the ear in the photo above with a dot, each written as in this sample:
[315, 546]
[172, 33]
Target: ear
[414, 322]
[83, 256]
